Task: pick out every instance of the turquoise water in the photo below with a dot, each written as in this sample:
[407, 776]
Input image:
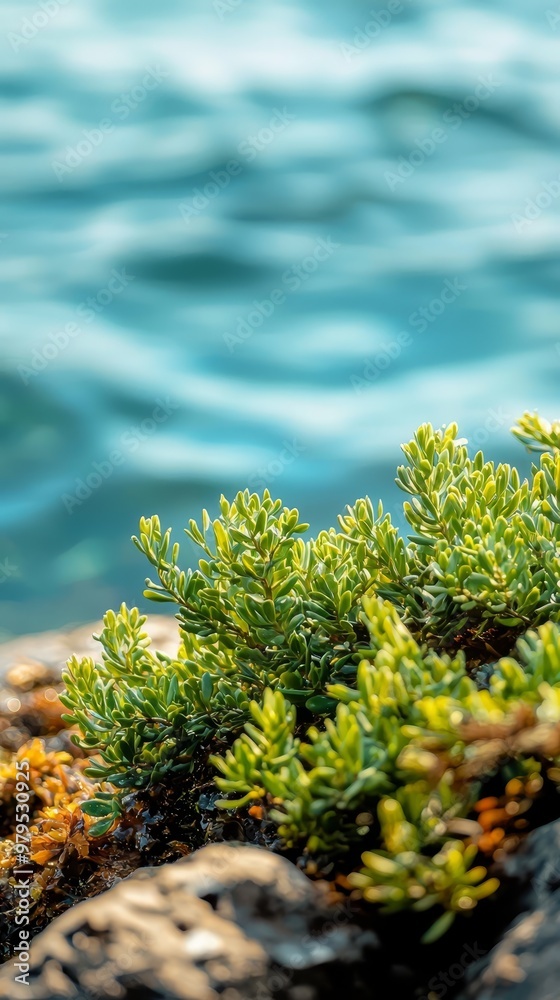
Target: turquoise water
[257, 244]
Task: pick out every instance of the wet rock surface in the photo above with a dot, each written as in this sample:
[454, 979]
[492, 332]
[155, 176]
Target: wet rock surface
[229, 921]
[525, 965]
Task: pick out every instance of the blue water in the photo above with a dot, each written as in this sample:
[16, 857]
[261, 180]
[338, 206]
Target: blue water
[356, 187]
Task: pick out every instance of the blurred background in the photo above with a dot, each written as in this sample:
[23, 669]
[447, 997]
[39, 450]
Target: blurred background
[256, 243]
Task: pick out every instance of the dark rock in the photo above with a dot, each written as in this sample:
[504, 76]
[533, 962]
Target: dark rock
[234, 922]
[525, 965]
[536, 866]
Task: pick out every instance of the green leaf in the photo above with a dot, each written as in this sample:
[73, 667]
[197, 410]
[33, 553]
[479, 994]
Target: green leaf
[206, 687]
[320, 705]
[158, 597]
[94, 807]
[100, 828]
[439, 928]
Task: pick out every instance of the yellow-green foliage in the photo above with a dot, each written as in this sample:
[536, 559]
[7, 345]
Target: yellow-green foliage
[341, 672]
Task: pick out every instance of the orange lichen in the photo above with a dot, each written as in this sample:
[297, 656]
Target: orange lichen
[57, 786]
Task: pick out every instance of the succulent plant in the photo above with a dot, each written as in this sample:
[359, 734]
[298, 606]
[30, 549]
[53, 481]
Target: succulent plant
[335, 681]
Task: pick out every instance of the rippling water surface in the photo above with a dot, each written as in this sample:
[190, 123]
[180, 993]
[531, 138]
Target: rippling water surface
[257, 244]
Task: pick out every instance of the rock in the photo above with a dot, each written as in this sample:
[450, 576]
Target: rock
[30, 676]
[525, 965]
[230, 922]
[52, 649]
[536, 866]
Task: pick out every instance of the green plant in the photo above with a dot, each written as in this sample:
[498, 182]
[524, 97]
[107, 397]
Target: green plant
[336, 682]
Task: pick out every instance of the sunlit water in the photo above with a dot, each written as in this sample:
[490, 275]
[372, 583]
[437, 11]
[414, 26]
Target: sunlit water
[257, 244]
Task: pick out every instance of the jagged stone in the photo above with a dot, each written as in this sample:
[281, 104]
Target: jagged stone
[231, 921]
[525, 964]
